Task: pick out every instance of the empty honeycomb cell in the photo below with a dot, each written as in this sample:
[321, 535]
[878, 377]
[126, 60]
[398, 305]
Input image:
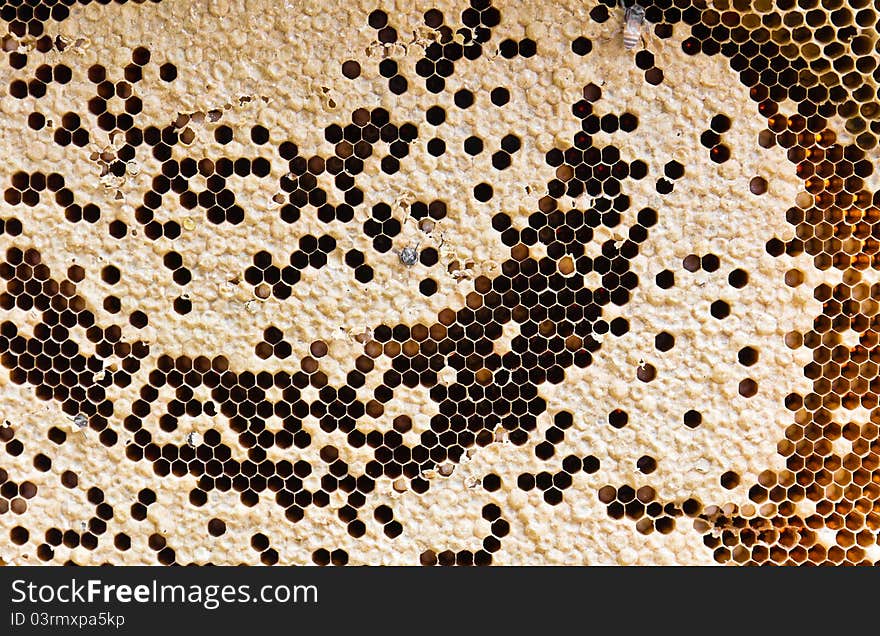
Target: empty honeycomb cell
[730, 480]
[463, 98]
[673, 170]
[710, 262]
[646, 372]
[646, 464]
[654, 76]
[720, 309]
[618, 418]
[110, 274]
[747, 356]
[351, 69]
[719, 153]
[692, 419]
[748, 388]
[758, 185]
[483, 192]
[664, 341]
[19, 535]
[738, 278]
[665, 279]
[692, 263]
[473, 145]
[710, 139]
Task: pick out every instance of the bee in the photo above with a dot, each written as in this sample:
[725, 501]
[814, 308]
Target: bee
[633, 23]
[80, 424]
[409, 255]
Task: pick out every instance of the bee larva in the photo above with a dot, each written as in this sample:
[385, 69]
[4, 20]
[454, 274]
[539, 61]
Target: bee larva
[633, 22]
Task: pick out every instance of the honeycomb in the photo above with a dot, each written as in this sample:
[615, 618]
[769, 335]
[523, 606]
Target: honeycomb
[439, 283]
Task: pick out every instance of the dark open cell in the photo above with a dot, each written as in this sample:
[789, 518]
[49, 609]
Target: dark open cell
[483, 192]
[500, 96]
[618, 418]
[351, 69]
[463, 98]
[378, 19]
[646, 464]
[654, 76]
[473, 145]
[168, 72]
[581, 46]
[720, 123]
[435, 115]
[719, 153]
